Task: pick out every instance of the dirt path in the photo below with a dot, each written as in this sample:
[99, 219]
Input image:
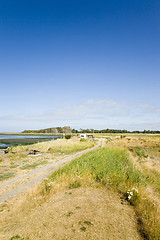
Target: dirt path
[12, 187]
[83, 213]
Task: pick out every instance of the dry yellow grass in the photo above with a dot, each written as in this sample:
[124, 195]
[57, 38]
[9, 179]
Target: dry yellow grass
[146, 158]
[19, 161]
[88, 212]
[83, 213]
[58, 146]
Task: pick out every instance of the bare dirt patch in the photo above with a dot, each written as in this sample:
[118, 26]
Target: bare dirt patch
[83, 213]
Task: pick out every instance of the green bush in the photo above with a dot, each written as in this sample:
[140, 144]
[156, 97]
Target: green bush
[68, 136]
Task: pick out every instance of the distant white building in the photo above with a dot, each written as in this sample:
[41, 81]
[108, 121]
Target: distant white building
[83, 135]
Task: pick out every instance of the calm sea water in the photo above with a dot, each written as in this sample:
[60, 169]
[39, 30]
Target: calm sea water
[23, 137]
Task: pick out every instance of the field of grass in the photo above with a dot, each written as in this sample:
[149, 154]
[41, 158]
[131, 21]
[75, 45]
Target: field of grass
[134, 135]
[108, 166]
[18, 159]
[128, 165]
[59, 146]
[112, 167]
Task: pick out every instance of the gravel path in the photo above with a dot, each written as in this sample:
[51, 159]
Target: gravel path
[17, 187]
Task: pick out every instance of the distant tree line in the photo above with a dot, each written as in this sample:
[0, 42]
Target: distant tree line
[68, 130]
[113, 131]
[55, 130]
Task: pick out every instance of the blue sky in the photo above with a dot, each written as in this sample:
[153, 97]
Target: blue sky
[86, 64]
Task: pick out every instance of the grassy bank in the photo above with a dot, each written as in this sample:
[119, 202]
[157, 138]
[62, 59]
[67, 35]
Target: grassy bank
[109, 167]
[59, 146]
[112, 168]
[19, 159]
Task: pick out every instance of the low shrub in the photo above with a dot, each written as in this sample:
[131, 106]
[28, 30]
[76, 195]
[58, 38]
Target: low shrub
[68, 136]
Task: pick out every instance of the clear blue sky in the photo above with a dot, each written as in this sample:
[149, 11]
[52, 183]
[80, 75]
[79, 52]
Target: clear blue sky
[86, 64]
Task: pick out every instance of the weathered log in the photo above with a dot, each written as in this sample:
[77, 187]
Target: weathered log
[6, 150]
[34, 151]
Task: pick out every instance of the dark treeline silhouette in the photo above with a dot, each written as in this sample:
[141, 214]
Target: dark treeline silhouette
[55, 130]
[67, 129]
[113, 131]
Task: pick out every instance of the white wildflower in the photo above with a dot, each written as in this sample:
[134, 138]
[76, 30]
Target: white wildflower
[129, 197]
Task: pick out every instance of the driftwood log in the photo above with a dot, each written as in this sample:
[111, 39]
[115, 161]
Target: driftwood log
[6, 150]
[34, 152]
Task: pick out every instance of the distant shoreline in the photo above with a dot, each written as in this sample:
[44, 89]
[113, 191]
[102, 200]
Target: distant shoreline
[32, 134]
[24, 139]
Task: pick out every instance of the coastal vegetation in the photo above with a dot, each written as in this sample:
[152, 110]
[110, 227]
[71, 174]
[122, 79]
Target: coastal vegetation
[22, 157]
[60, 146]
[112, 167]
[55, 130]
[67, 129]
[4, 176]
[126, 168]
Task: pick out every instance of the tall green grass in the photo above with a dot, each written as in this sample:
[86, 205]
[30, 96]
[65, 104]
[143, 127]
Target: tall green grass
[109, 166]
[140, 152]
[153, 179]
[153, 176]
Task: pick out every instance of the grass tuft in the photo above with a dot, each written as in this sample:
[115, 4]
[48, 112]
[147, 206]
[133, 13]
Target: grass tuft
[69, 214]
[83, 229]
[4, 176]
[74, 185]
[1, 159]
[34, 165]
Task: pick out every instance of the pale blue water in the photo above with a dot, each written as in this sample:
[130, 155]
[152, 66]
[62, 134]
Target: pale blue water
[2, 145]
[24, 136]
